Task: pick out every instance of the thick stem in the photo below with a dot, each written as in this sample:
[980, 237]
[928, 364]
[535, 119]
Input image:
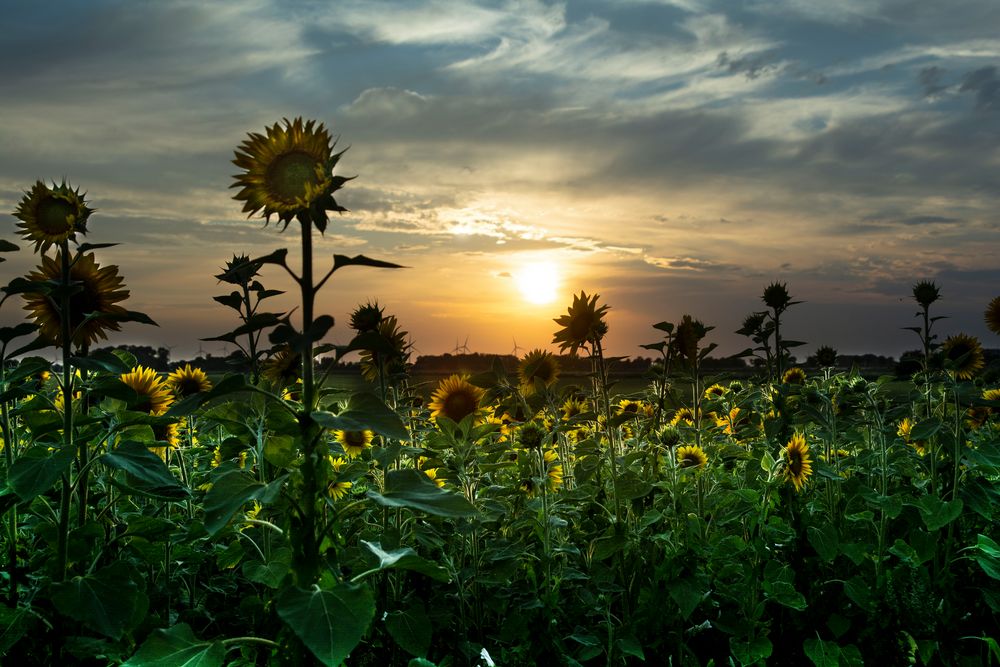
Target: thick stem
[67, 392]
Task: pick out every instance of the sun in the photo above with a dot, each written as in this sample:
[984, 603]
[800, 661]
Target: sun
[538, 282]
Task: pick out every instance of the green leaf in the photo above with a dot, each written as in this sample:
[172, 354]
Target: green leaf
[177, 647]
[37, 470]
[279, 450]
[988, 556]
[12, 626]
[778, 586]
[228, 385]
[830, 654]
[687, 593]
[229, 492]
[420, 662]
[100, 361]
[414, 490]
[749, 651]
[825, 541]
[925, 429]
[330, 623]
[406, 559]
[411, 629]
[629, 645]
[364, 411]
[629, 486]
[859, 590]
[938, 513]
[147, 472]
[108, 601]
[340, 261]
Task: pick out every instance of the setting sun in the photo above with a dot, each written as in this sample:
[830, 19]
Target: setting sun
[538, 282]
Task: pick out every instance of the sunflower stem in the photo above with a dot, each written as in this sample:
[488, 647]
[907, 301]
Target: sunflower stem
[67, 392]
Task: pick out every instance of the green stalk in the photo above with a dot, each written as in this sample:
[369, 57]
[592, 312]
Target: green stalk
[8, 453]
[67, 389]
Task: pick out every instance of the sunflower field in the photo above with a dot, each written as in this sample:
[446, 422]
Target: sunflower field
[798, 516]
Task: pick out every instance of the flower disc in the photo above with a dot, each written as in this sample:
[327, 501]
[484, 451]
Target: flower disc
[455, 398]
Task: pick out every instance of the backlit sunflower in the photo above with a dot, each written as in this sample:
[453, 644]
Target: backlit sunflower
[794, 375]
[583, 324]
[456, 398]
[354, 442]
[154, 394]
[392, 352]
[51, 215]
[798, 465]
[288, 172]
[188, 381]
[992, 315]
[965, 355]
[283, 367]
[691, 456]
[100, 290]
[537, 368]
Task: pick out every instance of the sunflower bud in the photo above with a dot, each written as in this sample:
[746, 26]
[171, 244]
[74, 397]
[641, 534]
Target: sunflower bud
[926, 293]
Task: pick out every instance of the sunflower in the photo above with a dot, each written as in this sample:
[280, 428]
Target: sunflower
[456, 398]
[354, 442]
[926, 292]
[366, 317]
[965, 354]
[532, 435]
[683, 416]
[794, 375]
[691, 456]
[572, 407]
[553, 469]
[583, 324]
[992, 395]
[283, 367]
[337, 489]
[154, 394]
[629, 407]
[537, 368]
[992, 315]
[715, 391]
[99, 291]
[51, 215]
[976, 416]
[288, 172]
[904, 430]
[432, 474]
[392, 351]
[776, 296]
[188, 381]
[798, 465]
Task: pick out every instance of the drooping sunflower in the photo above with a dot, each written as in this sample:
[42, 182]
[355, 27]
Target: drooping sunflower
[100, 290]
[798, 465]
[537, 368]
[354, 442]
[288, 172]
[992, 315]
[51, 215]
[965, 354]
[283, 367]
[154, 393]
[456, 398]
[794, 375]
[691, 456]
[583, 324]
[188, 381]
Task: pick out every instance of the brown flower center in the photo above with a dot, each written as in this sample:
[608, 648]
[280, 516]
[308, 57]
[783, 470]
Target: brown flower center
[290, 174]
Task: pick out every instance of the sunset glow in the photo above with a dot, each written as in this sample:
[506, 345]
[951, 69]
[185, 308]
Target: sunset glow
[538, 282]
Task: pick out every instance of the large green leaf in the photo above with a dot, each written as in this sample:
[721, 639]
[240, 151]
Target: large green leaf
[750, 650]
[177, 647]
[148, 473]
[938, 513]
[411, 628]
[825, 541]
[273, 571]
[406, 559]
[37, 470]
[414, 490]
[108, 601]
[13, 626]
[830, 654]
[364, 410]
[330, 623]
[687, 592]
[229, 492]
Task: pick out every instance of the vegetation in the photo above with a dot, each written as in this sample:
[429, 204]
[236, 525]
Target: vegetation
[784, 518]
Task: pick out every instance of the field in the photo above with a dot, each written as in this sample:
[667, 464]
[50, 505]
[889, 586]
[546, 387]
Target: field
[801, 515]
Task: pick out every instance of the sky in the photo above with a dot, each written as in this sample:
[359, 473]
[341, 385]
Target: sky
[673, 156]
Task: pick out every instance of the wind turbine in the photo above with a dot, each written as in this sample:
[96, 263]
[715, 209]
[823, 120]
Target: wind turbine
[516, 348]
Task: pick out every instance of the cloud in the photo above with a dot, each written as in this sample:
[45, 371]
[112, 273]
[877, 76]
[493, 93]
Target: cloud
[985, 84]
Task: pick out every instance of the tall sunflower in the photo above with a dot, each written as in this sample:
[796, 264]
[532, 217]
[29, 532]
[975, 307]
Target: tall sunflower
[798, 465]
[288, 172]
[154, 393]
[354, 442]
[538, 367]
[98, 291]
[51, 215]
[456, 398]
[992, 315]
[691, 456]
[965, 354]
[583, 324]
[188, 381]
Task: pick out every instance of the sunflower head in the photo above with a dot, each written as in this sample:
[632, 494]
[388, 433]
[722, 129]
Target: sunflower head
[826, 356]
[668, 436]
[284, 367]
[240, 270]
[288, 172]
[776, 296]
[926, 292]
[794, 375]
[798, 464]
[187, 381]
[366, 317]
[51, 215]
[992, 395]
[963, 356]
[354, 442]
[573, 406]
[992, 315]
[153, 392]
[583, 324]
[684, 416]
[93, 305]
[537, 368]
[432, 474]
[456, 398]
[553, 470]
[532, 435]
[691, 456]
[715, 391]
[392, 350]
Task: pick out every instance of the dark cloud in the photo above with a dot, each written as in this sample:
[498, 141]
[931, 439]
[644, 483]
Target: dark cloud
[751, 66]
[985, 84]
[930, 79]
